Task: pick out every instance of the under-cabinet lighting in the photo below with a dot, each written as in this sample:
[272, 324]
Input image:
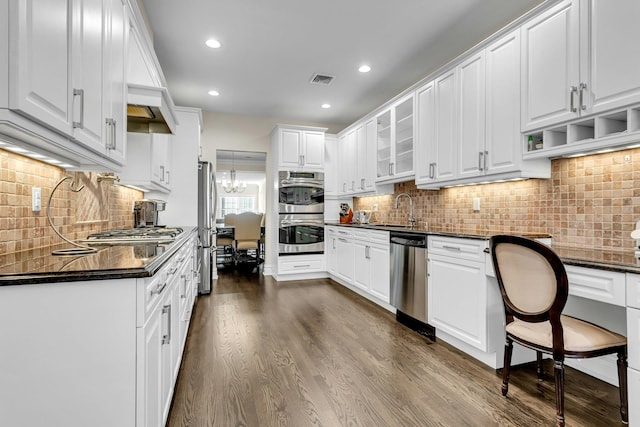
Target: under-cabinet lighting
[35, 155]
[15, 149]
[144, 190]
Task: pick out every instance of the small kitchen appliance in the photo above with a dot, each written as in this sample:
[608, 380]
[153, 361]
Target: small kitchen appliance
[145, 212]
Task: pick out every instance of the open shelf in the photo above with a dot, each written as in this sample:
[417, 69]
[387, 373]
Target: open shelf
[581, 131]
[612, 124]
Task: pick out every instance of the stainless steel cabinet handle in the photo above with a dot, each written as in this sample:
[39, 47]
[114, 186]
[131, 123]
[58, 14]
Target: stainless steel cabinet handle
[166, 338]
[344, 187]
[486, 154]
[583, 86]
[112, 125]
[353, 185]
[168, 176]
[302, 266]
[362, 183]
[366, 252]
[161, 173]
[572, 91]
[334, 242]
[303, 160]
[80, 93]
[393, 168]
[389, 169]
[452, 248]
[159, 288]
[172, 271]
[343, 240]
[480, 153]
[432, 170]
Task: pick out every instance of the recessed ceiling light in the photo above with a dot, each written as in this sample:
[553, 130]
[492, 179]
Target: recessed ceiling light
[214, 93]
[326, 105]
[364, 69]
[213, 43]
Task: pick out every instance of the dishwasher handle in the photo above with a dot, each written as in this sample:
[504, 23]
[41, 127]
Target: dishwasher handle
[404, 241]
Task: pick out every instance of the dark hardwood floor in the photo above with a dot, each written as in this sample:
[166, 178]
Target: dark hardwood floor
[312, 353]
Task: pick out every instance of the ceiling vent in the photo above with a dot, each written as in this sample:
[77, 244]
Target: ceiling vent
[322, 79]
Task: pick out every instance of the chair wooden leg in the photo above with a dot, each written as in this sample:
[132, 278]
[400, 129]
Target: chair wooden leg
[622, 382]
[558, 369]
[539, 366]
[508, 350]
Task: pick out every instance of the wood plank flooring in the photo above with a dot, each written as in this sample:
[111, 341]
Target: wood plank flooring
[312, 353]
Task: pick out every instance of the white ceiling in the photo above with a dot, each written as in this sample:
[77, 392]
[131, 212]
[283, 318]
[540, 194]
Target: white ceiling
[271, 49]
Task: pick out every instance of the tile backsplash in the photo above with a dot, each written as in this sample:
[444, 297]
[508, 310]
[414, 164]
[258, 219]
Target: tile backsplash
[591, 201]
[99, 206]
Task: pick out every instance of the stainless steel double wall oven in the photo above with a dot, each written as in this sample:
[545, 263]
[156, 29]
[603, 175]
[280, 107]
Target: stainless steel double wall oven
[301, 207]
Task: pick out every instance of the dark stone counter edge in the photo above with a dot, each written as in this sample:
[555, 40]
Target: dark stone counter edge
[78, 276]
[623, 268]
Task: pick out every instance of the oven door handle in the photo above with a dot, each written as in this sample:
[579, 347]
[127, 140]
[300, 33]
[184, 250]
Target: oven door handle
[288, 222]
[285, 183]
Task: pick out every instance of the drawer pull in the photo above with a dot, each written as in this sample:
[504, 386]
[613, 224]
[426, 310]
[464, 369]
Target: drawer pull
[159, 288]
[172, 271]
[452, 248]
[302, 266]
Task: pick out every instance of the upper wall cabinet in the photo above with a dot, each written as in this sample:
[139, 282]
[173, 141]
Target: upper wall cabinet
[150, 160]
[299, 147]
[395, 142]
[468, 121]
[576, 61]
[66, 72]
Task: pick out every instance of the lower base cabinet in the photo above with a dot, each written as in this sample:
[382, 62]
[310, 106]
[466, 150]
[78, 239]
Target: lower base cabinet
[359, 259]
[98, 353]
[457, 289]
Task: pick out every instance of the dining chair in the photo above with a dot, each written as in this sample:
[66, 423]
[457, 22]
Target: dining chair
[247, 235]
[534, 287]
[226, 243]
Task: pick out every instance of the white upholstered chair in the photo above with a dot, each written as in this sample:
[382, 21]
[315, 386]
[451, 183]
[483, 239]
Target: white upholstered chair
[247, 235]
[534, 287]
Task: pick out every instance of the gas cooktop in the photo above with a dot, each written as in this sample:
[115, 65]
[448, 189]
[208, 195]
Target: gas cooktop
[134, 235]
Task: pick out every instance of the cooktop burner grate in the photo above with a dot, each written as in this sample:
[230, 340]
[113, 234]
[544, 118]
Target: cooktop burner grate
[134, 235]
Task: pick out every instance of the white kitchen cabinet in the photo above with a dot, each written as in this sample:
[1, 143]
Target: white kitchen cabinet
[633, 345]
[345, 256]
[457, 292]
[424, 163]
[358, 159]
[347, 161]
[115, 88]
[371, 257]
[574, 64]
[472, 153]
[300, 148]
[330, 249]
[149, 162]
[332, 180]
[395, 142]
[444, 124]
[67, 70]
[468, 121]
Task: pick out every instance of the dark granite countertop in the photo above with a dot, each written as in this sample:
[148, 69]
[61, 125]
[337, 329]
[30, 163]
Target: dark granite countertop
[622, 261]
[110, 262]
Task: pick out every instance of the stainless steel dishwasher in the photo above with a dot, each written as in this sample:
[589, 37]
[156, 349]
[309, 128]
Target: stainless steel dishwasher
[409, 280]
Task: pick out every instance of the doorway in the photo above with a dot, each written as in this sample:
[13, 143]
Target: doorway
[241, 187]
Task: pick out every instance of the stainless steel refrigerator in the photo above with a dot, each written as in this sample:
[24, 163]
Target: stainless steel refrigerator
[207, 197]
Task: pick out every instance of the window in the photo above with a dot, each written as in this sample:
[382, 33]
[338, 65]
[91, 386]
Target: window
[236, 204]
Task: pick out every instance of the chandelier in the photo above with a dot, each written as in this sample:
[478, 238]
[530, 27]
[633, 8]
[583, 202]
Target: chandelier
[234, 186]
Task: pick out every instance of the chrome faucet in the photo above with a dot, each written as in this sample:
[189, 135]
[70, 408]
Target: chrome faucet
[412, 220]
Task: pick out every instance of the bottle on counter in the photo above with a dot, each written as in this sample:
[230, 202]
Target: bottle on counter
[530, 146]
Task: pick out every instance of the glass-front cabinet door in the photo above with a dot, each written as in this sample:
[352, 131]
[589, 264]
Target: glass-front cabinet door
[395, 142]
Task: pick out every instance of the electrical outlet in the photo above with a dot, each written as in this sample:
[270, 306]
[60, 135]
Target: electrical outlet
[36, 199]
[476, 204]
[375, 207]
